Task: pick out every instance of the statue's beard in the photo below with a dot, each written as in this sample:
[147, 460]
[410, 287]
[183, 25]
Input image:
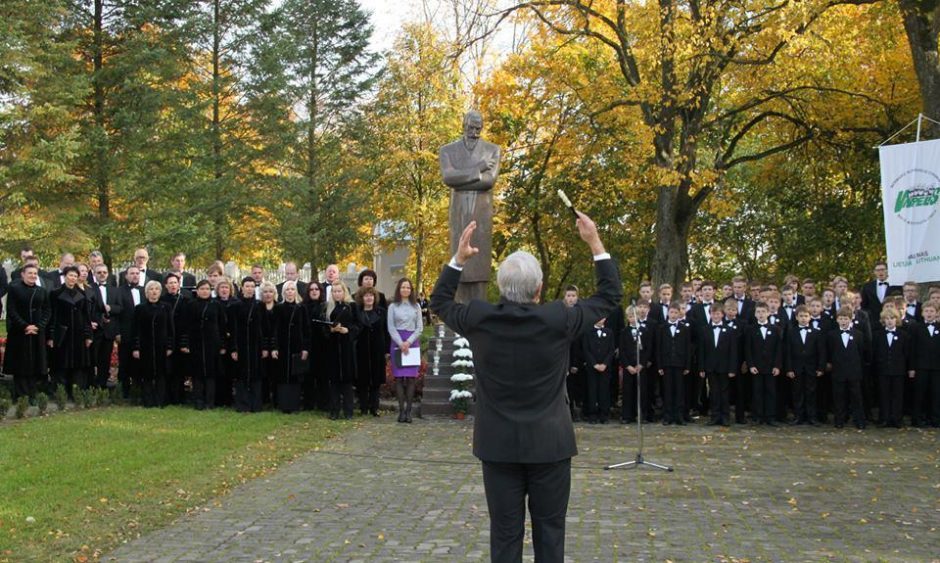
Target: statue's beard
[470, 143]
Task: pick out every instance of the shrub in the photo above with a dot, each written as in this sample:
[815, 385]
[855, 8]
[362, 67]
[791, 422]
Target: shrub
[104, 398]
[42, 401]
[22, 405]
[61, 398]
[5, 404]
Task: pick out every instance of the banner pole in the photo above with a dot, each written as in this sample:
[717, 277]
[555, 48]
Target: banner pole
[920, 121]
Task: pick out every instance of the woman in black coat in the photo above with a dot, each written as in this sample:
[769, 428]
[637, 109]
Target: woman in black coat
[293, 347]
[70, 335]
[152, 342]
[28, 318]
[248, 347]
[316, 386]
[341, 350]
[177, 301]
[371, 348]
[225, 295]
[205, 344]
[269, 334]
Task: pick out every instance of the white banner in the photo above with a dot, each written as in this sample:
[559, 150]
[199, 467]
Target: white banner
[910, 188]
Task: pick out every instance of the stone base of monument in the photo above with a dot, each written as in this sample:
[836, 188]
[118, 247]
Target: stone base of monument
[435, 399]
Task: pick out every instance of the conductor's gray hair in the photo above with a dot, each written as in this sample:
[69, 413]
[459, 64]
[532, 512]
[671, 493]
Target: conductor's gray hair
[519, 277]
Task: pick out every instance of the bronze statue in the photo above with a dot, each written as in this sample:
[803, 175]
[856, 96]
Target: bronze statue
[469, 166]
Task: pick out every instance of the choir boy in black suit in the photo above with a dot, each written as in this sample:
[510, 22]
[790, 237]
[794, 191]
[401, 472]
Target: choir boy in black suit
[745, 305]
[925, 360]
[876, 291]
[753, 290]
[636, 365]
[645, 292]
[787, 310]
[862, 323]
[717, 350]
[775, 318]
[819, 320]
[829, 304]
[742, 384]
[912, 310]
[840, 286]
[845, 351]
[809, 291]
[686, 297]
[699, 316]
[574, 383]
[598, 346]
[891, 359]
[643, 309]
[763, 352]
[804, 363]
[659, 310]
[673, 350]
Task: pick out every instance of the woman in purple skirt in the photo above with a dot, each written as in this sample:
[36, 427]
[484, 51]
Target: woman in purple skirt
[404, 328]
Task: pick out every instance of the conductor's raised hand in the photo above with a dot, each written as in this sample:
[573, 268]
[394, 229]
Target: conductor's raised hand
[588, 231]
[464, 250]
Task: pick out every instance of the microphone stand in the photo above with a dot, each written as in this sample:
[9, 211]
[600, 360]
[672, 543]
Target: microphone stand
[639, 460]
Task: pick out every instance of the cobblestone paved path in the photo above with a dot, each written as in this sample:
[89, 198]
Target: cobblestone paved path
[395, 492]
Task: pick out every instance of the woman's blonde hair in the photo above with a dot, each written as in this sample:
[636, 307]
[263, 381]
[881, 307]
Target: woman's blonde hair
[331, 304]
[297, 297]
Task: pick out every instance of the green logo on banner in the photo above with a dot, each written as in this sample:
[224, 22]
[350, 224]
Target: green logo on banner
[918, 192]
[916, 197]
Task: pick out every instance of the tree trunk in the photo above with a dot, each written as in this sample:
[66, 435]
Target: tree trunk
[100, 148]
[922, 24]
[216, 129]
[671, 256]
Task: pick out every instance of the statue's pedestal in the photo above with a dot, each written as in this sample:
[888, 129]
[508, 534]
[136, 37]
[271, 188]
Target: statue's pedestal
[435, 399]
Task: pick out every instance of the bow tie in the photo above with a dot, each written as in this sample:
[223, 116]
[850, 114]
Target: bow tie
[889, 331]
[882, 283]
[716, 327]
[673, 324]
[804, 329]
[845, 332]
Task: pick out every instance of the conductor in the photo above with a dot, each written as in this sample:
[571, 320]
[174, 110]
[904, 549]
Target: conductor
[523, 433]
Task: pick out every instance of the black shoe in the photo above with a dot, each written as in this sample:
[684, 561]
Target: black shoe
[667, 423]
[860, 425]
[812, 423]
[627, 420]
[680, 422]
[839, 425]
[333, 416]
[408, 416]
[725, 423]
[401, 416]
[712, 422]
[602, 421]
[375, 412]
[771, 423]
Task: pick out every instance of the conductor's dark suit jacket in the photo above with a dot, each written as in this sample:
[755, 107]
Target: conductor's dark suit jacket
[520, 351]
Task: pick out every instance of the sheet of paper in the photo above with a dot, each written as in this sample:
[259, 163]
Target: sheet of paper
[412, 358]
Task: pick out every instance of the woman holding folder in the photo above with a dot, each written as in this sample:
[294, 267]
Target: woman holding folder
[404, 328]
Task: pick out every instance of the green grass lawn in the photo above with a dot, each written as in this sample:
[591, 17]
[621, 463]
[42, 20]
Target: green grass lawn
[89, 480]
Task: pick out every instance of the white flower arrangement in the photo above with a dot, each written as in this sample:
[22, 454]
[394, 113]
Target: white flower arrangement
[458, 394]
[461, 396]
